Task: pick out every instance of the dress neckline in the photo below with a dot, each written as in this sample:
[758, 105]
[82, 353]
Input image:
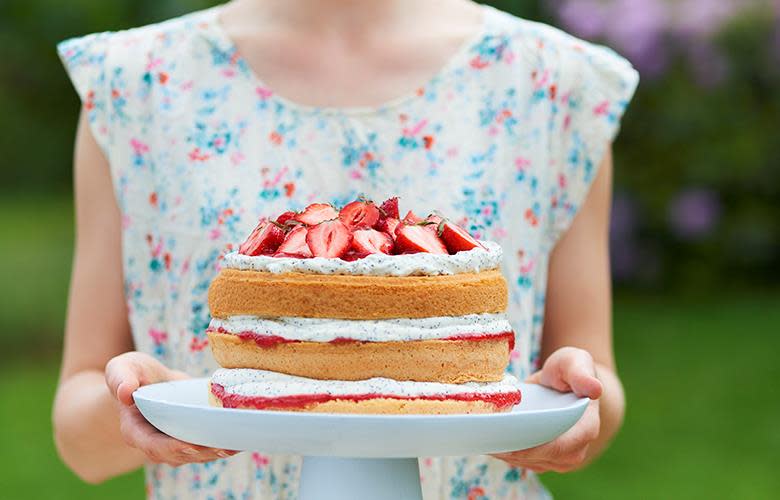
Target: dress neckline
[459, 58]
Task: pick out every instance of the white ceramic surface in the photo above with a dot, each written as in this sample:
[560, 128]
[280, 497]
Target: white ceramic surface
[181, 410]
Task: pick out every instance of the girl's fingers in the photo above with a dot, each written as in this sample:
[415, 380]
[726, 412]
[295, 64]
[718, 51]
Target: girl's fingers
[127, 372]
[161, 448]
[570, 369]
[566, 452]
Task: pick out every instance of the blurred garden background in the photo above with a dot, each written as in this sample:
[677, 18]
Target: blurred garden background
[696, 241]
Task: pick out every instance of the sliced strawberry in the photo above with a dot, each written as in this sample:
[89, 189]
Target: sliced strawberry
[388, 225]
[367, 241]
[456, 238]
[286, 217]
[411, 218]
[265, 239]
[389, 208]
[316, 213]
[330, 239]
[415, 239]
[294, 244]
[435, 219]
[359, 214]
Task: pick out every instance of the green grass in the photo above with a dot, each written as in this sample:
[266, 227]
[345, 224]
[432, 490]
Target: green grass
[701, 375]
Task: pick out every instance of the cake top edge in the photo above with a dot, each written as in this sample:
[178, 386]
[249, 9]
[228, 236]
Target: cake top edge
[356, 231]
[486, 257]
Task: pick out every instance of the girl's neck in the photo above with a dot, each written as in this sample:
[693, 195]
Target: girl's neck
[324, 16]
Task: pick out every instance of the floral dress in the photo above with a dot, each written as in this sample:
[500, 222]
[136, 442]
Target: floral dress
[506, 138]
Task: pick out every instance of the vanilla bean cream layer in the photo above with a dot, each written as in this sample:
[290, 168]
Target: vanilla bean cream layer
[260, 383]
[388, 330]
[418, 264]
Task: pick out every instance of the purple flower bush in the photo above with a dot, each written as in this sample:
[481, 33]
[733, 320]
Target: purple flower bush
[697, 160]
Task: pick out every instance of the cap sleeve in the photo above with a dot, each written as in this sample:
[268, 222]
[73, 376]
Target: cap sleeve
[85, 61]
[598, 85]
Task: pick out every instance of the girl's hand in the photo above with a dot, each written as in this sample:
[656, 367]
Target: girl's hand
[126, 373]
[567, 370]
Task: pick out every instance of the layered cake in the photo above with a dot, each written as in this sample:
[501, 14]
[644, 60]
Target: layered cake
[360, 311]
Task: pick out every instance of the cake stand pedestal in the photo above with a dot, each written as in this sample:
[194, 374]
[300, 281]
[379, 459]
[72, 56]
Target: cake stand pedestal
[329, 478]
[357, 456]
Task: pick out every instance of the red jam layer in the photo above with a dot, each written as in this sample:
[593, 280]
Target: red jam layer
[268, 341]
[501, 401]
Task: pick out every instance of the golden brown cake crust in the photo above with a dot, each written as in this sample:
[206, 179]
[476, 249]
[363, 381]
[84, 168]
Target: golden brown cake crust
[387, 406]
[446, 361]
[237, 292]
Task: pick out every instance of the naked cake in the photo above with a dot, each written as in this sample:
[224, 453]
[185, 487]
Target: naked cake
[360, 311]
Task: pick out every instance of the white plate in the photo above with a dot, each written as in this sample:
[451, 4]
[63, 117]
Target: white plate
[180, 409]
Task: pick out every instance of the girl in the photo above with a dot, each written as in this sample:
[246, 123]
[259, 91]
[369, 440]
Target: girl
[194, 127]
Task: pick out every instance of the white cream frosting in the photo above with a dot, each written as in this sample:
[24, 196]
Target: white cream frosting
[415, 264]
[388, 330]
[261, 383]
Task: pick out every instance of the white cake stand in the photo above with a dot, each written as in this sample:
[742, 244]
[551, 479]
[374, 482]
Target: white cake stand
[356, 456]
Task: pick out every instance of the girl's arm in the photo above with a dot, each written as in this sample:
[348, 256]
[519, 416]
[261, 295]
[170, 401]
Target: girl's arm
[98, 432]
[577, 341]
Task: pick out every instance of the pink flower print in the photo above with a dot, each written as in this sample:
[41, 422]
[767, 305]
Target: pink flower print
[602, 109]
[259, 460]
[215, 234]
[197, 345]
[521, 163]
[452, 152]
[237, 158]
[264, 93]
[126, 220]
[411, 132]
[228, 72]
[478, 63]
[514, 355]
[500, 233]
[275, 138]
[139, 148]
[158, 336]
[197, 155]
[561, 181]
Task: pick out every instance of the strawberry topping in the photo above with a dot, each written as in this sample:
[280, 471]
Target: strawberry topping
[411, 218]
[388, 225]
[316, 213]
[368, 241]
[265, 239]
[286, 217]
[294, 244]
[389, 208]
[330, 239]
[359, 214]
[415, 239]
[456, 238]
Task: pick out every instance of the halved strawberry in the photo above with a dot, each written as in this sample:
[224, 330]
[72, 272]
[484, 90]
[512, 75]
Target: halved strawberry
[316, 213]
[265, 239]
[434, 219]
[367, 241]
[330, 239]
[388, 225]
[456, 238]
[294, 244]
[389, 208]
[415, 239]
[359, 214]
[411, 218]
[285, 217]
